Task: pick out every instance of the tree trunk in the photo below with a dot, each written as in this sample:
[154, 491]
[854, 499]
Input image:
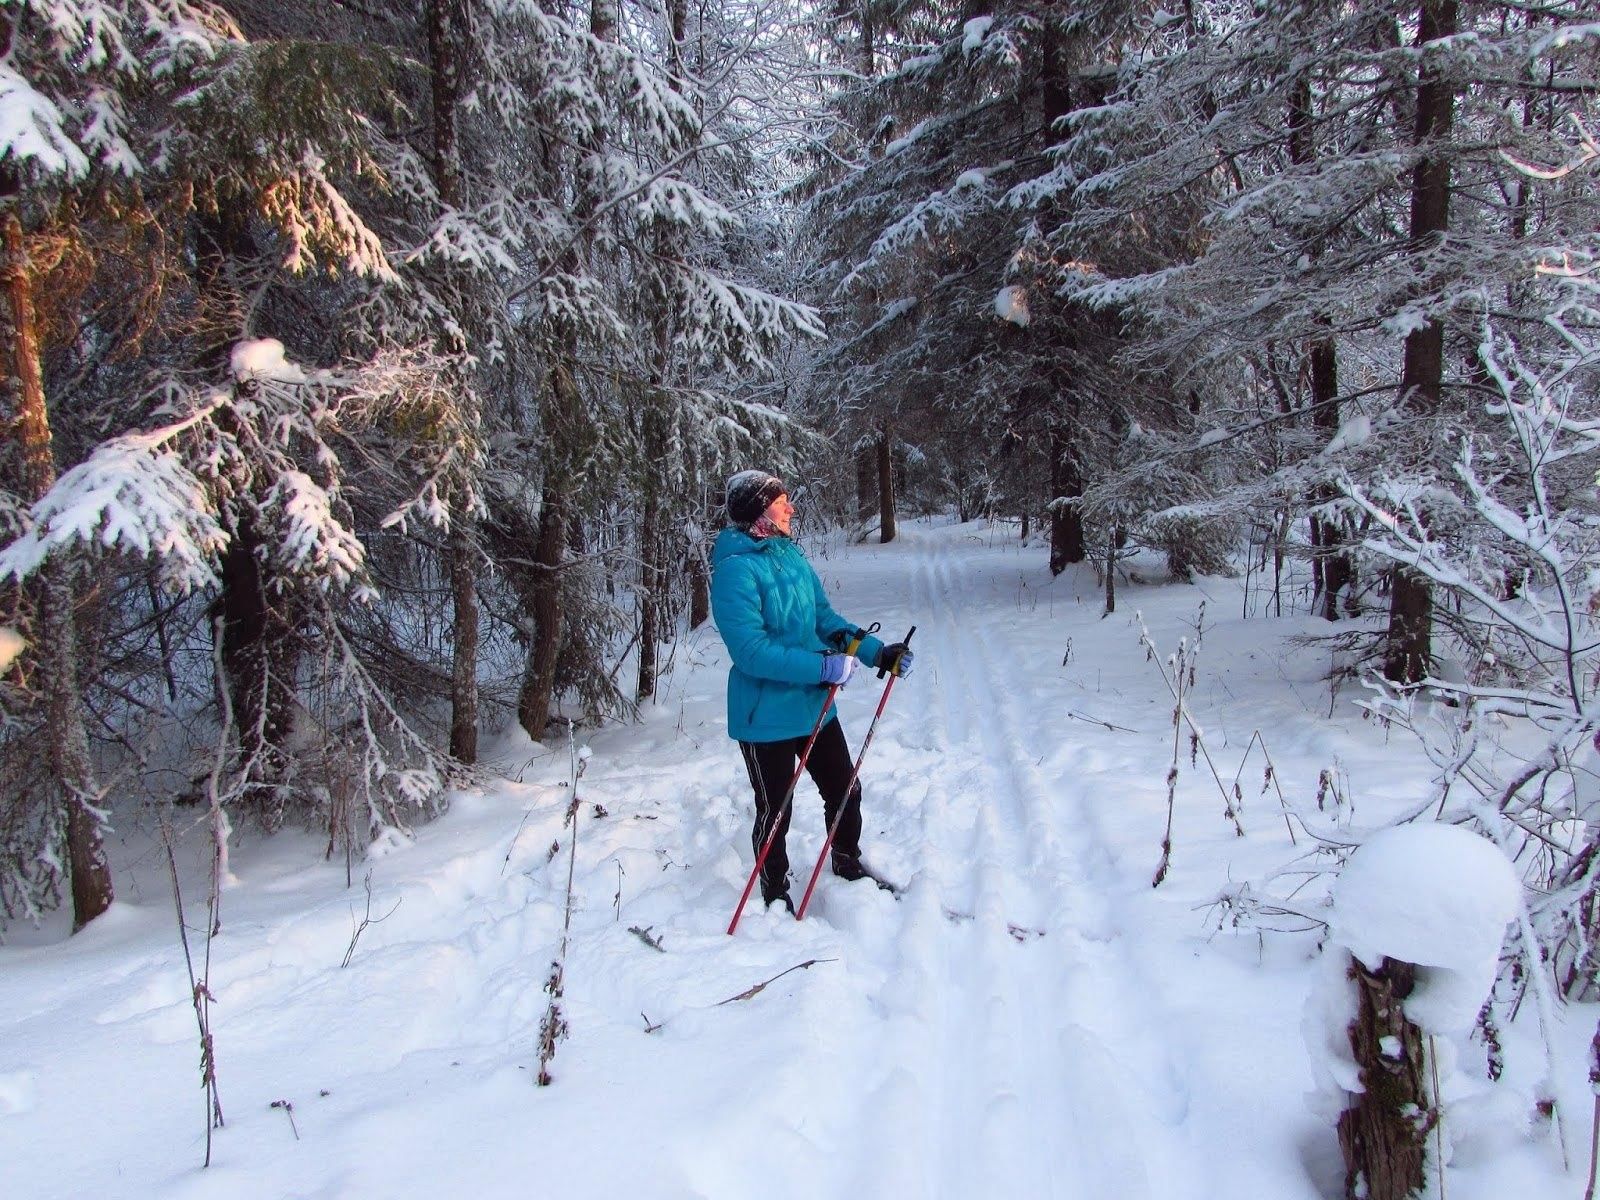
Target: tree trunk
[464, 654]
[1066, 520]
[447, 29]
[699, 584]
[652, 568]
[538, 682]
[1113, 536]
[260, 658]
[260, 647]
[655, 618]
[886, 524]
[1407, 649]
[1409, 636]
[65, 731]
[1384, 1132]
[1331, 564]
[866, 483]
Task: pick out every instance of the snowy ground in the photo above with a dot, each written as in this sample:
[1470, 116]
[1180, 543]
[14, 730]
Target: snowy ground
[1029, 1019]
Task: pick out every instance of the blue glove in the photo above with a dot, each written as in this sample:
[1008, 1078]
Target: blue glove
[837, 668]
[896, 659]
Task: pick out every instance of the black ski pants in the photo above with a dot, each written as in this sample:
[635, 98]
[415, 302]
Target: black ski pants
[771, 766]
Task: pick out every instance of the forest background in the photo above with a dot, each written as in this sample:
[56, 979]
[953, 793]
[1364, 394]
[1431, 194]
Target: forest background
[372, 370]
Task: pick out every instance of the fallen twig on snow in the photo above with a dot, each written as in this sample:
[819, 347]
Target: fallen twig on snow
[644, 936]
[762, 986]
[288, 1111]
[1098, 721]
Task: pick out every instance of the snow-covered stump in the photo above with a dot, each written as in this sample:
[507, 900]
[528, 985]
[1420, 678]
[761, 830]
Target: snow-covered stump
[1419, 913]
[1384, 1129]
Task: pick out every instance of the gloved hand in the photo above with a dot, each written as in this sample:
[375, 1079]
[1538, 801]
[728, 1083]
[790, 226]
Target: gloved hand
[896, 659]
[842, 639]
[837, 668]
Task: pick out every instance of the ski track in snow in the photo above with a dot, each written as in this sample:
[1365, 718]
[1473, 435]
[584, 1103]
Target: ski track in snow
[1018, 1032]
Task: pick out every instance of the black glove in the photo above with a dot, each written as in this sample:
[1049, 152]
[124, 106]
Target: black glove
[842, 639]
[896, 659]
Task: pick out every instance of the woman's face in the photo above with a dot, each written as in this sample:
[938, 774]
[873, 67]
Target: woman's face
[780, 512]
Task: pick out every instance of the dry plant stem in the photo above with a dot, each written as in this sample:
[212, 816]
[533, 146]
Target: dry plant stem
[220, 828]
[1594, 1127]
[367, 919]
[1199, 738]
[1172, 785]
[511, 849]
[1437, 1101]
[762, 986]
[1594, 1149]
[1097, 721]
[554, 1026]
[1283, 803]
[200, 995]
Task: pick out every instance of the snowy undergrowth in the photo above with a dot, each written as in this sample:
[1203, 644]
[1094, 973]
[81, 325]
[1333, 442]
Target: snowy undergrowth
[1031, 1018]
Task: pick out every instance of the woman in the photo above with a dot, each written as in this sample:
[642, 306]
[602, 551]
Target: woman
[788, 647]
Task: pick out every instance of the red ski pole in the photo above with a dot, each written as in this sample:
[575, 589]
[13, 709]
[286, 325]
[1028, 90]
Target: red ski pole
[788, 797]
[833, 829]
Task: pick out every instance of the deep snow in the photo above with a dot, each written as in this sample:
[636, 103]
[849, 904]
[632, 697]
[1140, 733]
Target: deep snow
[1031, 1018]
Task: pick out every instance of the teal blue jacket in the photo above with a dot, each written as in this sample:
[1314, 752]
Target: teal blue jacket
[776, 622]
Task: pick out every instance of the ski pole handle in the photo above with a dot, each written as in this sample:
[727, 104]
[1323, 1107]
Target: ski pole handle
[905, 641]
[852, 645]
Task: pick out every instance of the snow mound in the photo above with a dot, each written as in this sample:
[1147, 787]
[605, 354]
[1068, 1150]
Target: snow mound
[1435, 895]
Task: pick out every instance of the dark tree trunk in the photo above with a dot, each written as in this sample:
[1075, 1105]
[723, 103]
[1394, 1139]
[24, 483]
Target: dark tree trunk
[1332, 567]
[655, 615]
[866, 483]
[1067, 544]
[1332, 564]
[447, 31]
[538, 683]
[1384, 1132]
[1113, 540]
[1066, 483]
[1407, 648]
[260, 647]
[260, 657]
[1409, 636]
[464, 653]
[652, 568]
[699, 585]
[886, 521]
[65, 731]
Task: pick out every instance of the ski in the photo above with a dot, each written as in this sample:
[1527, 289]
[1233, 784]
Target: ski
[894, 889]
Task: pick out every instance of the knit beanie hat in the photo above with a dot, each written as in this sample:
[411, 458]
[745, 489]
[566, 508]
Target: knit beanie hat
[751, 493]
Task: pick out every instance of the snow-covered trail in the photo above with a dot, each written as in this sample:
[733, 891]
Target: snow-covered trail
[1028, 1019]
[1023, 1055]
